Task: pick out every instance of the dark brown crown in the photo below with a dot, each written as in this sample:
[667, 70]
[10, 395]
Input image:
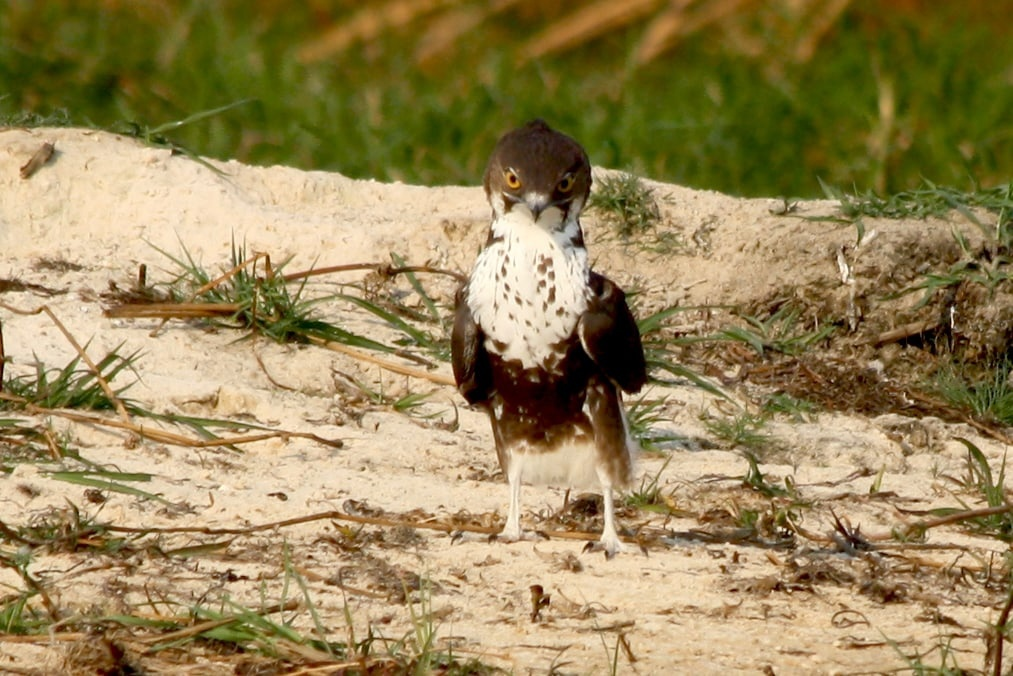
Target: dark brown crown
[542, 157]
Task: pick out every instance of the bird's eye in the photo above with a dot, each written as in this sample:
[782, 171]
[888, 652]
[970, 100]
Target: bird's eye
[513, 181]
[566, 185]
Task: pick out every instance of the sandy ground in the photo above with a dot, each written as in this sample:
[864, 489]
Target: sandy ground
[698, 600]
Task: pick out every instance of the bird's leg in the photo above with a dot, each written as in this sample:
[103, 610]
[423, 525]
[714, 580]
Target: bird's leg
[512, 530]
[609, 541]
[609, 537]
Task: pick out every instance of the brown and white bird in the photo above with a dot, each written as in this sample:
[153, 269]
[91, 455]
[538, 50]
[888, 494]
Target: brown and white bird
[541, 342]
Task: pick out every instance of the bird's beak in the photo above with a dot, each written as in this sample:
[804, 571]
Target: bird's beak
[537, 203]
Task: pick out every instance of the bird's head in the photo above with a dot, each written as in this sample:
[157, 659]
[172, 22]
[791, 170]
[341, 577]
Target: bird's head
[538, 169]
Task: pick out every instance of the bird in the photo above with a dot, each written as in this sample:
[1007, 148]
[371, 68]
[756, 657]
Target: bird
[544, 344]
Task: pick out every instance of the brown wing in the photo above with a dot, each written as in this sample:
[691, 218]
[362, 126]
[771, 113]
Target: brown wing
[610, 336]
[472, 371]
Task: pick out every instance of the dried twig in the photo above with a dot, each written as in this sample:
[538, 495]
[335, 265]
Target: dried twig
[38, 160]
[3, 357]
[957, 517]
[901, 333]
[335, 515]
[1000, 633]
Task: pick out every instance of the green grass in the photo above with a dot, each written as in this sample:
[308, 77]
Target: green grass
[263, 305]
[929, 199]
[645, 418]
[277, 308]
[782, 331]
[987, 393]
[626, 204]
[743, 429]
[864, 110]
[71, 386]
[649, 496]
[78, 388]
[798, 410]
[991, 488]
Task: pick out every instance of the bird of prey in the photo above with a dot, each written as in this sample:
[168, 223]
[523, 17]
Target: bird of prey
[541, 342]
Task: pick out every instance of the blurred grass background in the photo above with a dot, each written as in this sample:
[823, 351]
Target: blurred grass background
[743, 96]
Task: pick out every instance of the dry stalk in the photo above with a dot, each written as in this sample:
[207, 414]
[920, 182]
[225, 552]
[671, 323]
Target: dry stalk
[164, 436]
[586, 24]
[393, 367]
[383, 269]
[169, 311]
[681, 19]
[368, 24]
[1000, 633]
[218, 280]
[335, 515]
[194, 310]
[957, 517]
[120, 408]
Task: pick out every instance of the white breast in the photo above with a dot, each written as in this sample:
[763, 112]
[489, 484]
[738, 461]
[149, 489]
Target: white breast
[528, 289]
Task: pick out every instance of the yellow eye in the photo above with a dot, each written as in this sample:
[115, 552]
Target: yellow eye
[566, 185]
[513, 181]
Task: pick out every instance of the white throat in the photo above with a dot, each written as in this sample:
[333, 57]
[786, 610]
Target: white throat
[529, 287]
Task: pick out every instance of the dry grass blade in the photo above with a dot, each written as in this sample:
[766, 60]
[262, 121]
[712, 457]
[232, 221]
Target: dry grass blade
[901, 333]
[172, 310]
[214, 283]
[366, 25]
[663, 32]
[335, 515]
[585, 24]
[958, 517]
[235, 270]
[60, 636]
[96, 371]
[164, 436]
[383, 269]
[385, 364]
[444, 31]
[820, 26]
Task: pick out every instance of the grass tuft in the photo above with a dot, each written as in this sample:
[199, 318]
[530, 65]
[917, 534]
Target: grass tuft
[927, 200]
[742, 430]
[625, 203]
[987, 393]
[71, 386]
[779, 332]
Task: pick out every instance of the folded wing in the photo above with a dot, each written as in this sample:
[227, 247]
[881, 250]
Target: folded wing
[609, 335]
[472, 371]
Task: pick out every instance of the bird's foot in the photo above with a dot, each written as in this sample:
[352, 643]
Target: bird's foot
[610, 545]
[508, 535]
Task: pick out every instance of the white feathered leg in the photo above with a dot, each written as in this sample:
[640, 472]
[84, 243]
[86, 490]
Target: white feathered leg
[512, 530]
[610, 541]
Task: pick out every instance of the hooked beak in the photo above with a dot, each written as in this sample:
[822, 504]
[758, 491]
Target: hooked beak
[535, 202]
